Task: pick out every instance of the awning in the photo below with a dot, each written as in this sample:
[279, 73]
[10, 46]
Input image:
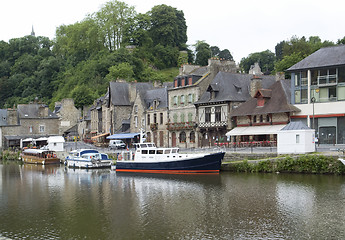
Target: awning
[100, 135]
[123, 135]
[255, 130]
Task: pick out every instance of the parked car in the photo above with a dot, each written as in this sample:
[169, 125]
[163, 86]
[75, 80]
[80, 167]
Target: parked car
[116, 144]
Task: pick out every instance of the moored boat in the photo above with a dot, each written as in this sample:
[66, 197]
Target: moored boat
[39, 156]
[87, 158]
[148, 158]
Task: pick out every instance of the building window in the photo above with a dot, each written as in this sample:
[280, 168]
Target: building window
[30, 129]
[208, 114]
[175, 118]
[182, 117]
[155, 118]
[190, 117]
[192, 137]
[190, 98]
[267, 118]
[182, 137]
[297, 138]
[42, 128]
[175, 100]
[254, 119]
[148, 119]
[182, 99]
[136, 108]
[161, 118]
[261, 118]
[218, 114]
[136, 121]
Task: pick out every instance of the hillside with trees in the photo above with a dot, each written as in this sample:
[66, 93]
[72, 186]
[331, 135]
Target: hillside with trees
[118, 43]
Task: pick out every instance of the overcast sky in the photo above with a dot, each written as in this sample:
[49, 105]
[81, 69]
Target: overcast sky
[243, 27]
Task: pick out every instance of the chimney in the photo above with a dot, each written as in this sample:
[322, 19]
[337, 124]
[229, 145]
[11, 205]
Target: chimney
[42, 111]
[12, 116]
[255, 84]
[280, 76]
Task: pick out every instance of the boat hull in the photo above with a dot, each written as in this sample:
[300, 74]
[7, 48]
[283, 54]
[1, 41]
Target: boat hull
[87, 164]
[42, 161]
[210, 163]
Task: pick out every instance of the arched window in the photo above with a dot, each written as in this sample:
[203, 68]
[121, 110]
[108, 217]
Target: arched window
[182, 137]
[175, 118]
[148, 136]
[182, 117]
[192, 137]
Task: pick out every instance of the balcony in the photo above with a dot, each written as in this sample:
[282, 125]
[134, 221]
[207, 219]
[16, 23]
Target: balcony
[212, 124]
[181, 126]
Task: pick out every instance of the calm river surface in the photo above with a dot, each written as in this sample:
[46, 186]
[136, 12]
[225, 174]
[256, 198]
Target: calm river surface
[56, 203]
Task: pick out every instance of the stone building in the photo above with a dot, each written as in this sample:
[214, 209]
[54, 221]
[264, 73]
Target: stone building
[68, 114]
[157, 116]
[224, 94]
[27, 121]
[261, 117]
[187, 89]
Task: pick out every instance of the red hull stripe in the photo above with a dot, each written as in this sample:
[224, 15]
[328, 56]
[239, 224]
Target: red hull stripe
[168, 171]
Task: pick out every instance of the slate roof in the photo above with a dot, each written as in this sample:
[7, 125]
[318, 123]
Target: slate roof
[160, 94]
[277, 103]
[232, 87]
[295, 126]
[32, 111]
[324, 57]
[119, 92]
[201, 71]
[3, 117]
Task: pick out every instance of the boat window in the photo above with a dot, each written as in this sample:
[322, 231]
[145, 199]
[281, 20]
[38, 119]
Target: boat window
[143, 146]
[144, 151]
[160, 151]
[167, 151]
[152, 151]
[174, 150]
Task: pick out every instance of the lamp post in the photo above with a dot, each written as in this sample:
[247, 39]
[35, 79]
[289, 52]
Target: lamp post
[313, 101]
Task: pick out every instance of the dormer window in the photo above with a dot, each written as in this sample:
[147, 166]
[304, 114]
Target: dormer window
[238, 89]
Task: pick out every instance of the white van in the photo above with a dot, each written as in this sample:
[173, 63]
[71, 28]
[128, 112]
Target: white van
[116, 144]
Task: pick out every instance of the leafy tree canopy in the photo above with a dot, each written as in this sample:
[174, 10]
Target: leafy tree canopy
[265, 59]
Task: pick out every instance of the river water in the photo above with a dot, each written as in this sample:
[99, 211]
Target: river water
[57, 203]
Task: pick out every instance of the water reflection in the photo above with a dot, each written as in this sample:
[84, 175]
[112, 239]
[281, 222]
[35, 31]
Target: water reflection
[54, 202]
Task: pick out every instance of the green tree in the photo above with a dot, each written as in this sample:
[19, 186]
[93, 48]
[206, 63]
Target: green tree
[265, 59]
[202, 53]
[168, 27]
[121, 71]
[225, 54]
[214, 51]
[288, 61]
[82, 96]
[77, 42]
[113, 20]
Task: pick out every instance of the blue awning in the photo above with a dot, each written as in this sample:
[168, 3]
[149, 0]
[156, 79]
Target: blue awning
[123, 135]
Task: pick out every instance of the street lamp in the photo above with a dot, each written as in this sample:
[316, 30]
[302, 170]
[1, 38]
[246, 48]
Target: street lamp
[313, 101]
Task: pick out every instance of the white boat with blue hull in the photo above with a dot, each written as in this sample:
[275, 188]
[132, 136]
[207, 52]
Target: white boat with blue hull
[148, 158]
[87, 158]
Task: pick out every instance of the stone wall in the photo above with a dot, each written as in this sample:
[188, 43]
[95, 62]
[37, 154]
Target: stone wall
[69, 115]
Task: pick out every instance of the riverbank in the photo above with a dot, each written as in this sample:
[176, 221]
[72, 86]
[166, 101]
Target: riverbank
[315, 163]
[8, 155]
[308, 163]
